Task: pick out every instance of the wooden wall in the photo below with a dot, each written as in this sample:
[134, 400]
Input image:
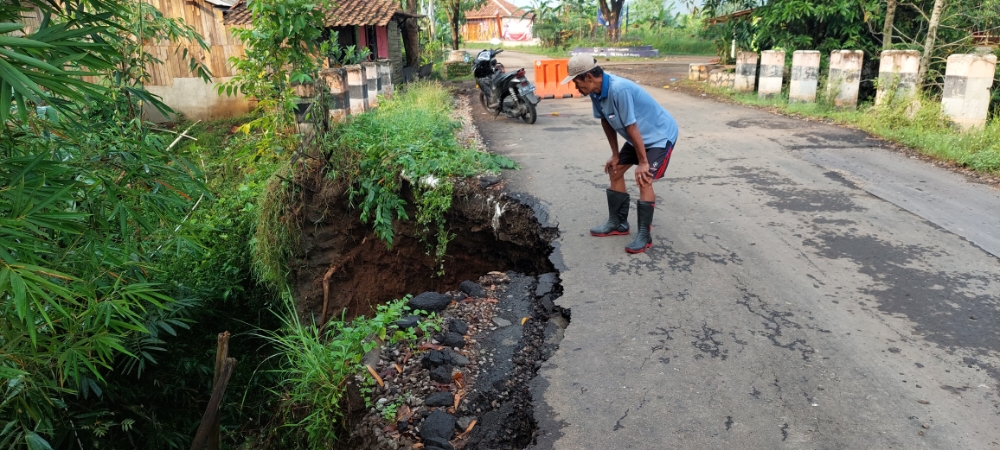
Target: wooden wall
[207, 21]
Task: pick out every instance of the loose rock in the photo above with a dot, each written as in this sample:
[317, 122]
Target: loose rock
[472, 288]
[459, 326]
[545, 284]
[441, 374]
[451, 339]
[437, 425]
[440, 399]
[501, 322]
[486, 181]
[464, 423]
[408, 322]
[429, 301]
[459, 360]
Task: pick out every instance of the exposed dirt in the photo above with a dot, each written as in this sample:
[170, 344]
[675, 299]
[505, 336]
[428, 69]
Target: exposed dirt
[492, 232]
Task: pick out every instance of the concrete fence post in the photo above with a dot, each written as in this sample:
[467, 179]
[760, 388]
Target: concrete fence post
[719, 78]
[746, 71]
[772, 73]
[340, 94]
[358, 88]
[897, 71]
[844, 80]
[371, 76]
[385, 78]
[805, 76]
[967, 83]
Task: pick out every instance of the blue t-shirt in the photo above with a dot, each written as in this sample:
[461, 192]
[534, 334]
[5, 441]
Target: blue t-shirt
[623, 103]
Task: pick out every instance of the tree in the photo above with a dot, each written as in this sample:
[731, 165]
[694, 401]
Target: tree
[455, 11]
[411, 35]
[90, 194]
[612, 14]
[283, 47]
[890, 16]
[932, 26]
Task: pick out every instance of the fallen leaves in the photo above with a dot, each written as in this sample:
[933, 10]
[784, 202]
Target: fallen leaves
[378, 379]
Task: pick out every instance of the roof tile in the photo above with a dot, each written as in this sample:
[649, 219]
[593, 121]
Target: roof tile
[344, 13]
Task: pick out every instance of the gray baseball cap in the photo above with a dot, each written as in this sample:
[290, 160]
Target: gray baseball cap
[578, 65]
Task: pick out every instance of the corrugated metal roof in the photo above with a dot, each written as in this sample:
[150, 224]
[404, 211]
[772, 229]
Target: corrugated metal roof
[344, 13]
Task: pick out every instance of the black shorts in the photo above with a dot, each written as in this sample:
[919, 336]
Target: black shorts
[659, 158]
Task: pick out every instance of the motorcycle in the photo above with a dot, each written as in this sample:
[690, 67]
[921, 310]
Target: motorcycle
[502, 92]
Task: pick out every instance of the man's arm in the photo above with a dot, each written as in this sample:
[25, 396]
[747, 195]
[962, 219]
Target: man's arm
[642, 176]
[611, 165]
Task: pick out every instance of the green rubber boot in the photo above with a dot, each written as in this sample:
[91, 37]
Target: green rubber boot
[644, 236]
[617, 224]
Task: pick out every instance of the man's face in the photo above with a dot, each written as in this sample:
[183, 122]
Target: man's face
[587, 84]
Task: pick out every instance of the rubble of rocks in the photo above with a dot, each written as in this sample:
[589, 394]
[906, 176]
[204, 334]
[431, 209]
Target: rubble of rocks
[466, 385]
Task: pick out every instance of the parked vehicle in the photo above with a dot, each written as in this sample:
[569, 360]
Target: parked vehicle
[501, 92]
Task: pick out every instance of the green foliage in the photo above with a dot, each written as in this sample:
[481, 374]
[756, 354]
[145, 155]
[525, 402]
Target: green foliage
[283, 47]
[317, 362]
[276, 234]
[346, 56]
[411, 136]
[82, 215]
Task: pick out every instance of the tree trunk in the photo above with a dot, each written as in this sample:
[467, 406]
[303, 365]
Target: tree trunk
[932, 26]
[411, 35]
[890, 18]
[453, 10]
[611, 14]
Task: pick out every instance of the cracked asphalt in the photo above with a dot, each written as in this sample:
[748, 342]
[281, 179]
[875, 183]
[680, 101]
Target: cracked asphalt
[807, 288]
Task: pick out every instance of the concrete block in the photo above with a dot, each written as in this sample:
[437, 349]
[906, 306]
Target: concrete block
[746, 71]
[385, 78]
[772, 72]
[371, 79]
[720, 78]
[844, 80]
[805, 76]
[357, 84]
[897, 75]
[339, 104]
[967, 83]
[700, 71]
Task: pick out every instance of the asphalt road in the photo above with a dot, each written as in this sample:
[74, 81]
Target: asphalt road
[806, 289]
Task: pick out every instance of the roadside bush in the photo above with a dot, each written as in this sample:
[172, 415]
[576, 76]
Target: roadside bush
[409, 137]
[315, 364]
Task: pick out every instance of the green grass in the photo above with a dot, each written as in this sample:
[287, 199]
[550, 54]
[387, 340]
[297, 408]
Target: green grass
[317, 362]
[923, 128]
[409, 137]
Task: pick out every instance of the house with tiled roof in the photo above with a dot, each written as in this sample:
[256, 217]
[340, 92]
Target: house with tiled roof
[498, 19]
[372, 24]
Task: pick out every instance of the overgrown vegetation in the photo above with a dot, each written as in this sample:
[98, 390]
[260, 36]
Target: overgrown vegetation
[410, 137]
[315, 364]
[125, 248]
[922, 127]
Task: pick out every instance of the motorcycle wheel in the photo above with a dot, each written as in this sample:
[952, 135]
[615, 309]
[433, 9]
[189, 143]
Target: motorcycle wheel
[531, 116]
[482, 101]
